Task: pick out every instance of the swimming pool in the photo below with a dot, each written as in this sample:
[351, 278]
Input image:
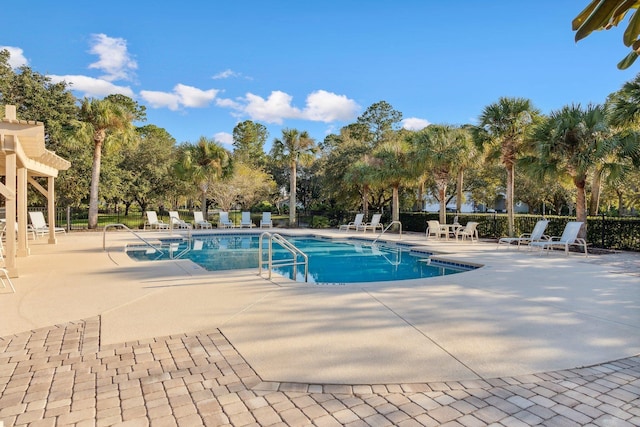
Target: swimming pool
[330, 261]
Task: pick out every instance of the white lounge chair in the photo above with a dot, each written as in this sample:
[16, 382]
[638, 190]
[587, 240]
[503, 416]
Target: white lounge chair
[245, 220]
[198, 219]
[435, 229]
[569, 237]
[373, 225]
[224, 222]
[176, 222]
[266, 222]
[470, 230]
[39, 224]
[536, 235]
[153, 222]
[353, 224]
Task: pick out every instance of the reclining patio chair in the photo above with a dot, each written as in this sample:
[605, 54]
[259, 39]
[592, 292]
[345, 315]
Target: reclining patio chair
[245, 220]
[353, 224]
[569, 237]
[176, 222]
[266, 222]
[198, 219]
[224, 222]
[39, 225]
[373, 225]
[153, 222]
[535, 236]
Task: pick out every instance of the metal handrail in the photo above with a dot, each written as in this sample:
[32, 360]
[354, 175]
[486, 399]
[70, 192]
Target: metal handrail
[292, 249]
[388, 227]
[104, 236]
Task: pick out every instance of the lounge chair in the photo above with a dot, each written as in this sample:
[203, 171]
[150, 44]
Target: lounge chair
[435, 229]
[353, 224]
[245, 220]
[176, 222]
[224, 222]
[373, 225]
[535, 236]
[153, 222]
[39, 224]
[569, 237]
[265, 222]
[200, 222]
[470, 230]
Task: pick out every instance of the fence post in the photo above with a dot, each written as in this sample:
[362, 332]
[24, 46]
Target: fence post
[602, 228]
[68, 218]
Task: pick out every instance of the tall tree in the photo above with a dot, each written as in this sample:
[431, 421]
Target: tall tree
[292, 148]
[380, 120]
[248, 143]
[393, 168]
[203, 164]
[501, 131]
[569, 145]
[103, 123]
[438, 149]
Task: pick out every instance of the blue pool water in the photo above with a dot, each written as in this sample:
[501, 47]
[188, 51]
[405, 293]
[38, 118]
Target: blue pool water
[330, 261]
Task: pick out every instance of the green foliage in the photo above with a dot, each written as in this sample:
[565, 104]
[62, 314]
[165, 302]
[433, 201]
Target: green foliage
[319, 222]
[248, 143]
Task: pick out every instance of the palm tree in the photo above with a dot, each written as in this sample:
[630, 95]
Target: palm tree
[393, 168]
[570, 144]
[501, 131]
[204, 163]
[360, 174]
[437, 150]
[104, 123]
[294, 147]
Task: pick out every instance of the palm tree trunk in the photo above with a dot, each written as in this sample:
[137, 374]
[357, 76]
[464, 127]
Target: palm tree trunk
[442, 195]
[95, 181]
[395, 204]
[292, 195]
[581, 205]
[510, 187]
[596, 186]
[459, 183]
[365, 201]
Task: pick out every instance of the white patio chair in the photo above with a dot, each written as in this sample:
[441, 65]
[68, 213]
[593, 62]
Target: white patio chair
[39, 224]
[174, 216]
[224, 222]
[357, 221]
[373, 225]
[536, 235]
[200, 222]
[153, 222]
[569, 237]
[245, 220]
[266, 222]
[470, 230]
[435, 229]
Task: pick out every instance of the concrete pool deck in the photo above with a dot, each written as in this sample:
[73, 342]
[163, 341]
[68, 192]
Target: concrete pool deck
[463, 348]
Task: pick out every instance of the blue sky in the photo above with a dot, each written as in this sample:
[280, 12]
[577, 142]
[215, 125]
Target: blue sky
[200, 67]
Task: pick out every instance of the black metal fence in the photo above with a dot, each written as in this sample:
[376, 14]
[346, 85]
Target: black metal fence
[602, 231]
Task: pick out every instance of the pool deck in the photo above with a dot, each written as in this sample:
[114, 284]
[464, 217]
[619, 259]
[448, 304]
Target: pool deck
[92, 337]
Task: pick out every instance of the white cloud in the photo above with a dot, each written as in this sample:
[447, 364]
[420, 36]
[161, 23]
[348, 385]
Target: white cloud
[321, 106]
[182, 96]
[92, 87]
[414, 123]
[224, 138]
[161, 99]
[225, 74]
[16, 58]
[114, 60]
[274, 109]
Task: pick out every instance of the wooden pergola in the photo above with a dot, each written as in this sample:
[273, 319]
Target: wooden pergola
[23, 157]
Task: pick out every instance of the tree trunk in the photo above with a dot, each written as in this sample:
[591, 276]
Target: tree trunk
[365, 201]
[442, 194]
[596, 185]
[459, 183]
[292, 195]
[395, 204]
[581, 205]
[95, 181]
[509, 202]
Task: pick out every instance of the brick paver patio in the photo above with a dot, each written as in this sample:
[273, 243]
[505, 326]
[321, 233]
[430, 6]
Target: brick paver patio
[62, 376]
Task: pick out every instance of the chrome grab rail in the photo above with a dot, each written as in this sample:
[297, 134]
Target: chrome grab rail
[388, 227]
[282, 263]
[104, 236]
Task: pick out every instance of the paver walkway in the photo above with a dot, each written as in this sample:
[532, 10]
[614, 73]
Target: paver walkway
[60, 376]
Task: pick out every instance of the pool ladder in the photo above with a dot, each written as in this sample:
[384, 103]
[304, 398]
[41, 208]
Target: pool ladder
[388, 227]
[108, 226]
[294, 251]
